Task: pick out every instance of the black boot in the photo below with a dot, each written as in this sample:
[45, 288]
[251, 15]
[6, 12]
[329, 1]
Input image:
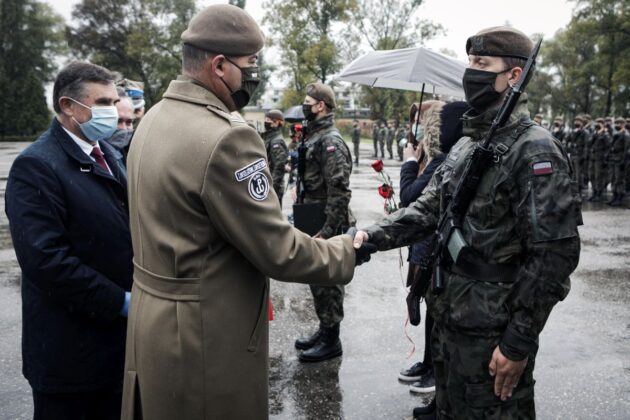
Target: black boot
[327, 347]
[305, 343]
[618, 202]
[613, 199]
[428, 412]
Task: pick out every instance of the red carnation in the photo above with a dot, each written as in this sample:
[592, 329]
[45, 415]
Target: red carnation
[386, 191]
[378, 165]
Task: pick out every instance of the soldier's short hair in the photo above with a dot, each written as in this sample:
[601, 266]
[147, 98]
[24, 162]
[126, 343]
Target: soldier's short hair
[71, 80]
[193, 58]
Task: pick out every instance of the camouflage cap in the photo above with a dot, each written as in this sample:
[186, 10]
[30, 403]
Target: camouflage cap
[620, 120]
[599, 120]
[275, 114]
[587, 117]
[224, 29]
[558, 119]
[322, 92]
[539, 116]
[578, 118]
[608, 118]
[500, 41]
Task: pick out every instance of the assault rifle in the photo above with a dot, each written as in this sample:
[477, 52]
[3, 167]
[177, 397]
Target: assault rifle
[449, 243]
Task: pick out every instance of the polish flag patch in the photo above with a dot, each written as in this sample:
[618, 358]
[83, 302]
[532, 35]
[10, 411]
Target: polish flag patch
[543, 168]
[331, 149]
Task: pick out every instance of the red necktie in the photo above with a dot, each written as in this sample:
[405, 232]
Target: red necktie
[98, 156]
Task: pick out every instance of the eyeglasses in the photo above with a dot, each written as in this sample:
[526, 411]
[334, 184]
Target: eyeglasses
[129, 121]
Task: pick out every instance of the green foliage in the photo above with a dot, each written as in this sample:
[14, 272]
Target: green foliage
[31, 37]
[138, 38]
[304, 32]
[389, 25]
[585, 68]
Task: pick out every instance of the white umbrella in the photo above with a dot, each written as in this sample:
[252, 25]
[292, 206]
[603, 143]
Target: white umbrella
[417, 69]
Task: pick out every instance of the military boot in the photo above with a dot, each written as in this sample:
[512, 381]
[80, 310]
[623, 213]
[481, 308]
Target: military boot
[305, 343]
[425, 413]
[612, 200]
[618, 202]
[327, 347]
[594, 197]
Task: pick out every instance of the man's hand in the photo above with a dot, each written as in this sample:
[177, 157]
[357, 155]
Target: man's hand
[362, 248]
[506, 372]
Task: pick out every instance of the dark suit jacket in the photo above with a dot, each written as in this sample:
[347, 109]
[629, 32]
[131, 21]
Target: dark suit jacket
[70, 227]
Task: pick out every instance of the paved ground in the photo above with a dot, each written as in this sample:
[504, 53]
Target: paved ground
[583, 367]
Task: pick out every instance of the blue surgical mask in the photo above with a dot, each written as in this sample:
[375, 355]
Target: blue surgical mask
[103, 123]
[419, 133]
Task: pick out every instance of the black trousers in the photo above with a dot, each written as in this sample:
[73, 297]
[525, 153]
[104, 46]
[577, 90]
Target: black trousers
[104, 404]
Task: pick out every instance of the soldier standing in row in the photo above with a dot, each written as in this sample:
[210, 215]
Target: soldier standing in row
[401, 135]
[494, 305]
[277, 150]
[618, 159]
[391, 135]
[327, 180]
[356, 140]
[375, 132]
[598, 151]
[627, 130]
[558, 129]
[382, 135]
[538, 119]
[574, 143]
[586, 166]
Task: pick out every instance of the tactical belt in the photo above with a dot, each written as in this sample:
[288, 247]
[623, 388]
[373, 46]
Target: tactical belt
[493, 273]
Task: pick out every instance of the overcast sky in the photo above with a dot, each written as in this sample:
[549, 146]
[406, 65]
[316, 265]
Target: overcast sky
[460, 18]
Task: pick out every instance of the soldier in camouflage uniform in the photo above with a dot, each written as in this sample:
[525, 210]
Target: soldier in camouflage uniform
[618, 162]
[627, 128]
[391, 135]
[599, 147]
[521, 228]
[382, 135]
[356, 140]
[277, 151]
[574, 144]
[326, 179]
[557, 130]
[401, 135]
[375, 132]
[587, 174]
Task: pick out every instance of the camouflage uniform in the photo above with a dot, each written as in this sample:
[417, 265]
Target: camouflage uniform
[617, 158]
[375, 133]
[599, 147]
[277, 155]
[522, 223]
[356, 141]
[574, 144]
[327, 179]
[400, 135]
[382, 135]
[391, 135]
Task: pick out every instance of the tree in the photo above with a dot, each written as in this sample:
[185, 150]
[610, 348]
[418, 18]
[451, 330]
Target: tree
[390, 25]
[32, 36]
[304, 31]
[138, 38]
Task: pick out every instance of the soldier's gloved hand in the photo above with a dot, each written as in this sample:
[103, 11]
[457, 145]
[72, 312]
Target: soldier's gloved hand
[363, 250]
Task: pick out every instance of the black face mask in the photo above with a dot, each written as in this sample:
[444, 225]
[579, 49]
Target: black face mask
[557, 124]
[309, 115]
[249, 84]
[268, 126]
[598, 127]
[618, 127]
[479, 88]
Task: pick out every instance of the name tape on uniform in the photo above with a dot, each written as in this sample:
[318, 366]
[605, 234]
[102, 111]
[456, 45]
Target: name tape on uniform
[244, 173]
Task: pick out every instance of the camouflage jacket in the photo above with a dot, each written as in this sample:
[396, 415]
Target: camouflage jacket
[525, 214]
[382, 134]
[619, 147]
[599, 147]
[277, 155]
[327, 174]
[574, 142]
[356, 135]
[391, 133]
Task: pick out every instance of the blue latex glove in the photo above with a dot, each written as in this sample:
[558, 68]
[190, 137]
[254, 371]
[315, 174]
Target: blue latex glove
[125, 308]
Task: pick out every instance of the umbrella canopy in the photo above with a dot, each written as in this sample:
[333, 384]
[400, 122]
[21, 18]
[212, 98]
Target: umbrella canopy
[294, 114]
[417, 69]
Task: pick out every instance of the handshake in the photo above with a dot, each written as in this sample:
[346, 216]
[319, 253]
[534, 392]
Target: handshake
[362, 248]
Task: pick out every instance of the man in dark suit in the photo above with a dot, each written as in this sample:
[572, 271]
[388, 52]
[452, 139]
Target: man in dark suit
[66, 200]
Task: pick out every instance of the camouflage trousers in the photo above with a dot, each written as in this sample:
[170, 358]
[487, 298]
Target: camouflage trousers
[328, 302]
[390, 150]
[598, 175]
[465, 389]
[618, 178]
[356, 152]
[577, 173]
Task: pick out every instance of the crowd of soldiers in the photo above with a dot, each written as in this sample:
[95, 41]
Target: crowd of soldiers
[386, 134]
[599, 152]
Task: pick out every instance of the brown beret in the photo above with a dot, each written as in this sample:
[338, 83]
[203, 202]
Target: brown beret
[224, 29]
[500, 41]
[619, 119]
[323, 93]
[608, 118]
[275, 114]
[558, 119]
[578, 118]
[587, 117]
[599, 120]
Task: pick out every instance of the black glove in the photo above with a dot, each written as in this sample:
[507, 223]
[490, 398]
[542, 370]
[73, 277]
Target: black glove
[363, 254]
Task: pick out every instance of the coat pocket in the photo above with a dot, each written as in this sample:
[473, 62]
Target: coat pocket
[263, 316]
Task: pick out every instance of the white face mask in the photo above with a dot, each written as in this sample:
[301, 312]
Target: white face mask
[418, 131]
[103, 123]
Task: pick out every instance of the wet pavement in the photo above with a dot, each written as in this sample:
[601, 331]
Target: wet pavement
[583, 366]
